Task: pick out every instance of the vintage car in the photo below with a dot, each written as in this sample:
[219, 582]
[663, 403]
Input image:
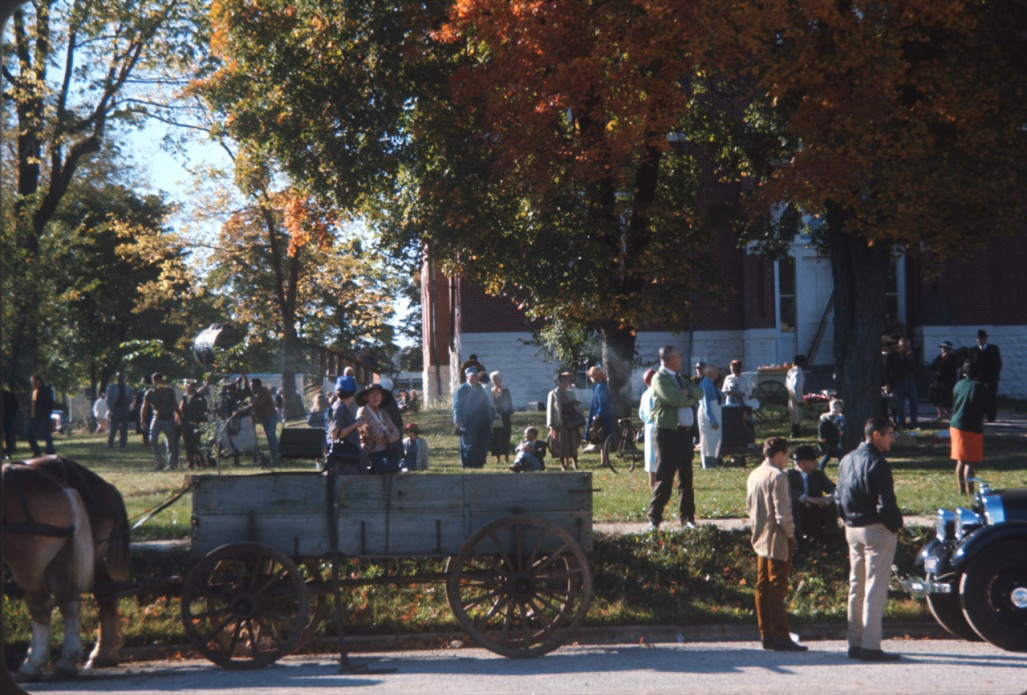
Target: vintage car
[975, 569]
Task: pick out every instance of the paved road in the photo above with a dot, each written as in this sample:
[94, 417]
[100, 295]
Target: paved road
[935, 667]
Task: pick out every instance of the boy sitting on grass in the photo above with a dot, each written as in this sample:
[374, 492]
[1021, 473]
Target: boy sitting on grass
[530, 453]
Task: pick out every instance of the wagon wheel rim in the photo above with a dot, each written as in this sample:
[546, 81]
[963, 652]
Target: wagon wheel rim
[244, 605]
[520, 586]
[773, 398]
[317, 600]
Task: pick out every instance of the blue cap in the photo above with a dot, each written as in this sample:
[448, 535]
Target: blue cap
[346, 383]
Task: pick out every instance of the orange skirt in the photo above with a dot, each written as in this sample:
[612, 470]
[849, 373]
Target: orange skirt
[967, 446]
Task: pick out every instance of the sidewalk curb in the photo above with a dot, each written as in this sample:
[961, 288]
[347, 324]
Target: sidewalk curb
[650, 635]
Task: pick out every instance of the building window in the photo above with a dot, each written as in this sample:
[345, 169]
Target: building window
[786, 295]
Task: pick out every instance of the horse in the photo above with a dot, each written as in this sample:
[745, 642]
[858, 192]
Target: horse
[48, 546]
[109, 521]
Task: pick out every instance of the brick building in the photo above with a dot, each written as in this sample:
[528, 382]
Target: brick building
[778, 309]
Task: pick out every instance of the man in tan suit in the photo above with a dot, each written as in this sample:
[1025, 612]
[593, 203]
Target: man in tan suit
[769, 504]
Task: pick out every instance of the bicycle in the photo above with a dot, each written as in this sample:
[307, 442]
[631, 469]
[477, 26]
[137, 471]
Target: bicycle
[622, 444]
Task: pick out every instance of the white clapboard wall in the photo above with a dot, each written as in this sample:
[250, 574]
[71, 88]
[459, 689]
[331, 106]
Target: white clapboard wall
[406, 514]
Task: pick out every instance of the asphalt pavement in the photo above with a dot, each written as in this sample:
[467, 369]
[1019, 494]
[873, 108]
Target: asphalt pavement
[934, 667]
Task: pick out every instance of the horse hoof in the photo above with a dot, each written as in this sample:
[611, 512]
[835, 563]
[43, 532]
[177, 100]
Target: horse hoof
[26, 676]
[101, 662]
[65, 670]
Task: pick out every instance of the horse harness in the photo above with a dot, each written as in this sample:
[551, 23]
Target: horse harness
[29, 527]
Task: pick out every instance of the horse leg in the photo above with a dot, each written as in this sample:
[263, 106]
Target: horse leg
[40, 608]
[71, 650]
[110, 638]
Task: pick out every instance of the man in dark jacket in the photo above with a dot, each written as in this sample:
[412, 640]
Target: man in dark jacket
[38, 424]
[866, 501]
[989, 360]
[813, 506]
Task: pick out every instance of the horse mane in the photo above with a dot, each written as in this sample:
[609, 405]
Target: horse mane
[83, 556]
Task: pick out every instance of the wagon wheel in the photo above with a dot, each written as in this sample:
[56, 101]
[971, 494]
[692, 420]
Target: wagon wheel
[773, 398]
[318, 606]
[244, 605]
[520, 586]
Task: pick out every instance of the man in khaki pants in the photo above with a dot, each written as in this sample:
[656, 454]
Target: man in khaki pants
[866, 500]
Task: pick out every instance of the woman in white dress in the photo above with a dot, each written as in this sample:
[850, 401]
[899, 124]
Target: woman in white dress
[645, 414]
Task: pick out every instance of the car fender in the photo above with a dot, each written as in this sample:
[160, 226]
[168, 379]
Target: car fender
[983, 538]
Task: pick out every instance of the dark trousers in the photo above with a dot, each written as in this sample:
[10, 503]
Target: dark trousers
[119, 424]
[991, 406]
[36, 429]
[771, 592]
[674, 454]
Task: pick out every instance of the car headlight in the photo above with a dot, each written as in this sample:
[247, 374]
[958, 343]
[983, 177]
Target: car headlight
[966, 521]
[945, 525]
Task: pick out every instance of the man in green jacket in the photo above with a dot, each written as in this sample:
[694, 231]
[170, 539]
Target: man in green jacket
[673, 398]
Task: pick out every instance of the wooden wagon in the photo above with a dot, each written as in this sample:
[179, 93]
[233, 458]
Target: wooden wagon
[517, 575]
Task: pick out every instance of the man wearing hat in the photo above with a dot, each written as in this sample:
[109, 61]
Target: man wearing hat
[989, 362]
[813, 507]
[944, 372]
[769, 505]
[473, 413]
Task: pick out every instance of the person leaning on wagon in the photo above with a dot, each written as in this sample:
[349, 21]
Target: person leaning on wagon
[378, 433]
[343, 439]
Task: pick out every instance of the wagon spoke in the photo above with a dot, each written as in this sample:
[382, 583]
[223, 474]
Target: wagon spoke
[484, 621]
[473, 601]
[273, 580]
[501, 550]
[549, 559]
[235, 638]
[270, 628]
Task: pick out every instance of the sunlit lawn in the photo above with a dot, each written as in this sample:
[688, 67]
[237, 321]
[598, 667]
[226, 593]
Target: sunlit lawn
[923, 473]
[678, 578]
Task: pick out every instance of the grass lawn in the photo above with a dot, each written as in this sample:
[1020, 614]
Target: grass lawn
[704, 576]
[924, 477]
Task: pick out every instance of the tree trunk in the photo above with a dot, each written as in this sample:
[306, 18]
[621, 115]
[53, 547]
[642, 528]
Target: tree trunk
[618, 355]
[293, 401]
[860, 273]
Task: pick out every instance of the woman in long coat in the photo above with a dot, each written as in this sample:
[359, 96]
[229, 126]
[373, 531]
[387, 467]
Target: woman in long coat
[502, 425]
[564, 421]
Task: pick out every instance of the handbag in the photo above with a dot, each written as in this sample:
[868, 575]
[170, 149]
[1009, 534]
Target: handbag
[596, 435]
[573, 420]
[343, 450]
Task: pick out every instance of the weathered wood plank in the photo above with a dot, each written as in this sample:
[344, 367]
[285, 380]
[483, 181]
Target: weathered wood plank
[295, 492]
[391, 516]
[367, 535]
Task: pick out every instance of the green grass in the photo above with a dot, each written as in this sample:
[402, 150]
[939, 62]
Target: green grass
[924, 478]
[704, 576]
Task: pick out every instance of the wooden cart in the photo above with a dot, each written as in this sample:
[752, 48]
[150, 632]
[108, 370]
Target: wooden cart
[517, 576]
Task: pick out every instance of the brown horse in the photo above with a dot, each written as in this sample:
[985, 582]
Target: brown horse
[109, 521]
[48, 546]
